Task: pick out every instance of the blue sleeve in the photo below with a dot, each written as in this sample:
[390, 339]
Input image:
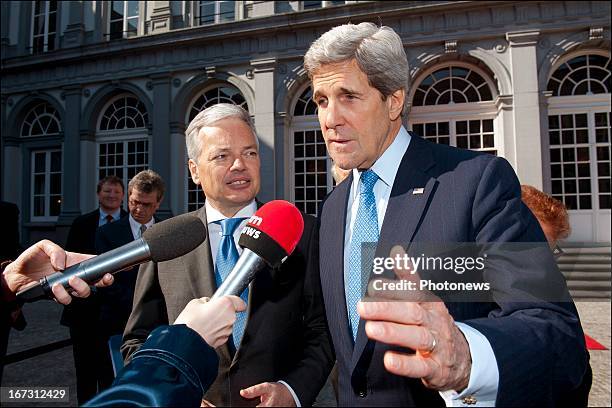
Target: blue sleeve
[174, 367]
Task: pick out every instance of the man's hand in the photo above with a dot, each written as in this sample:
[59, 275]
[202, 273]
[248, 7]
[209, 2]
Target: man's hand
[45, 258]
[213, 320]
[271, 394]
[442, 357]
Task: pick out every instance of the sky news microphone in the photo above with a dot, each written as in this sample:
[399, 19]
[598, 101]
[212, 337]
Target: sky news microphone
[268, 239]
[163, 241]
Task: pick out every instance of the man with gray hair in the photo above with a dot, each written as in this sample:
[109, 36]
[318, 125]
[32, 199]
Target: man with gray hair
[279, 353]
[403, 190]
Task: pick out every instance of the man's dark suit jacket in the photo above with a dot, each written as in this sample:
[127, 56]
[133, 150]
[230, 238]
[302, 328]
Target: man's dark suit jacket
[116, 300]
[82, 239]
[467, 197]
[286, 336]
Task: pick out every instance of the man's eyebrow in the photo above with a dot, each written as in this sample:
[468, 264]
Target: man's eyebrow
[252, 146]
[349, 91]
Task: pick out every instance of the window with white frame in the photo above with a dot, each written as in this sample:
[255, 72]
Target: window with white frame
[215, 12]
[579, 137]
[123, 146]
[462, 94]
[209, 97]
[124, 18]
[310, 165]
[44, 26]
[46, 185]
[41, 120]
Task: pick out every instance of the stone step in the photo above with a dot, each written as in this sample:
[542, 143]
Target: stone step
[587, 275]
[599, 250]
[585, 267]
[592, 285]
[584, 259]
[585, 295]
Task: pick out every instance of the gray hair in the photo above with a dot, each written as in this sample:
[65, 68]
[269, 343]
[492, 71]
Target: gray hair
[378, 51]
[148, 181]
[209, 117]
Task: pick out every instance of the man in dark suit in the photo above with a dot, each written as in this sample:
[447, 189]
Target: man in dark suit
[279, 353]
[405, 190]
[145, 193]
[82, 314]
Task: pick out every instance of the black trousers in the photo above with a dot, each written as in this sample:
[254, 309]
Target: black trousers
[93, 366]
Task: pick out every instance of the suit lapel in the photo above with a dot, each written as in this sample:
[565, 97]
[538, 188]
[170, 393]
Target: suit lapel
[199, 266]
[332, 233]
[405, 210]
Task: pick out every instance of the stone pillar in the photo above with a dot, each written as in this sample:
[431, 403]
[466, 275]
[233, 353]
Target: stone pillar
[161, 17]
[73, 36]
[5, 8]
[526, 98]
[178, 168]
[161, 158]
[71, 153]
[263, 113]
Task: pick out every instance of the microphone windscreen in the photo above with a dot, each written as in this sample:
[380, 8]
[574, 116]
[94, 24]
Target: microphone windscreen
[174, 237]
[274, 231]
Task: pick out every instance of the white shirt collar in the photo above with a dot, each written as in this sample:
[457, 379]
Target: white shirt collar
[136, 225]
[388, 163]
[212, 214]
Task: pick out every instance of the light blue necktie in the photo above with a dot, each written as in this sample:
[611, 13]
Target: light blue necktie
[365, 230]
[227, 256]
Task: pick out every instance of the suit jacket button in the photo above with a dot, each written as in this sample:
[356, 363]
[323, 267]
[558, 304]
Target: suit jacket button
[362, 394]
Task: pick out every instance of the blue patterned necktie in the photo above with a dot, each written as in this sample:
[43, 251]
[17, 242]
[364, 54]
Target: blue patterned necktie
[364, 230]
[227, 256]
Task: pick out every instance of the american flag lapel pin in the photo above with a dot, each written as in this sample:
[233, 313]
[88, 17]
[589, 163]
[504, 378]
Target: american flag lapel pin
[417, 191]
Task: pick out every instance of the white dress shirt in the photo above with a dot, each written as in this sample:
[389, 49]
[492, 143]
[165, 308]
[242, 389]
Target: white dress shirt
[484, 376]
[214, 235]
[135, 226]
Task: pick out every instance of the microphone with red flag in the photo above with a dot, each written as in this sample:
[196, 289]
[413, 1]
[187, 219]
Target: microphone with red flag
[268, 239]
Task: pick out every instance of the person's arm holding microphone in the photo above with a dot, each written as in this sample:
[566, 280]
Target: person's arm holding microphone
[177, 363]
[42, 259]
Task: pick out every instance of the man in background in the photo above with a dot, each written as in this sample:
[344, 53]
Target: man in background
[145, 193]
[81, 315]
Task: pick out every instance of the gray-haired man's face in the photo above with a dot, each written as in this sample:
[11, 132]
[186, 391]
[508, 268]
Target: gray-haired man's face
[228, 166]
[357, 124]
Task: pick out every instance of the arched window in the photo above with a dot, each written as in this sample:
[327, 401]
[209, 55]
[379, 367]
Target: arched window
[452, 84]
[45, 164]
[122, 136]
[581, 75]
[439, 92]
[309, 163]
[41, 120]
[124, 112]
[578, 141]
[219, 94]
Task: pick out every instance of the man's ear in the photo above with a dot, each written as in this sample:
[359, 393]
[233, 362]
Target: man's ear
[193, 169]
[395, 103]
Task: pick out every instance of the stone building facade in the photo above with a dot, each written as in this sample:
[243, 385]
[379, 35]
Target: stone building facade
[91, 88]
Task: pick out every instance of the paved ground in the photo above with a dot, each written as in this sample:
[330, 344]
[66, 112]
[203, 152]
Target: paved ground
[55, 368]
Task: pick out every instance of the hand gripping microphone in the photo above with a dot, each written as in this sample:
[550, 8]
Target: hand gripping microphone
[163, 241]
[268, 238]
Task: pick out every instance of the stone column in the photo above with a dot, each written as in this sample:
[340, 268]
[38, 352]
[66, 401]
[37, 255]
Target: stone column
[527, 128]
[73, 36]
[161, 17]
[161, 158]
[178, 168]
[263, 113]
[71, 153]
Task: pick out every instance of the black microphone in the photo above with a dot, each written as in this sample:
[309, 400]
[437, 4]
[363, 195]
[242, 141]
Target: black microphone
[163, 241]
[269, 238]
